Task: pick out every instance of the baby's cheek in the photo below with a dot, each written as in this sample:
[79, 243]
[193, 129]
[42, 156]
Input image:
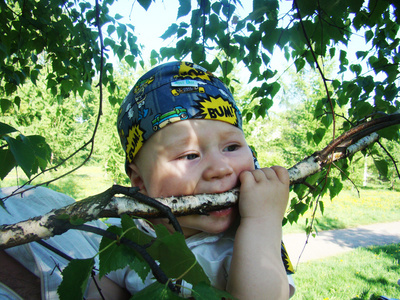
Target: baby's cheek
[173, 186]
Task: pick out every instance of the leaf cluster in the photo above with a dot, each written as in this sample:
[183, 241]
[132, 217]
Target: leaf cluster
[29, 152]
[129, 246]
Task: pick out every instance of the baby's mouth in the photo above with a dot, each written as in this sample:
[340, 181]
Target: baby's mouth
[223, 209]
[222, 212]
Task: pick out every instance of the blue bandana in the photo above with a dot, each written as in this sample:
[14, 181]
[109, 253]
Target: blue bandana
[169, 93]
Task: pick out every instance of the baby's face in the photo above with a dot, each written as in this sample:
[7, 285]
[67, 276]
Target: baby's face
[194, 157]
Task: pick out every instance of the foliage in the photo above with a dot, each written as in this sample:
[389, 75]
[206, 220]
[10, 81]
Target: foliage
[52, 54]
[169, 250]
[55, 46]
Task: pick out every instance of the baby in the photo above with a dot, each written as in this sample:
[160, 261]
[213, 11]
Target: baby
[182, 134]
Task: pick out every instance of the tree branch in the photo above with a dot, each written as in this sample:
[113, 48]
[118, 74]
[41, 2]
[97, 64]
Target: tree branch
[107, 204]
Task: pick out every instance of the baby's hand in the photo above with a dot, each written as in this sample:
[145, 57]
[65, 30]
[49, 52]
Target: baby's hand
[264, 192]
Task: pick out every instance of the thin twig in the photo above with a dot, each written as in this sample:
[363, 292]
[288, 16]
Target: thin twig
[348, 178]
[164, 209]
[391, 157]
[324, 80]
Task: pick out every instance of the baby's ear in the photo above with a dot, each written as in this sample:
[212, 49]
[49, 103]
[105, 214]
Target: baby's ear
[136, 178]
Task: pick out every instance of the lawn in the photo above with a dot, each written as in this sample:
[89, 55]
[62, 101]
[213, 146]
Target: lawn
[363, 274]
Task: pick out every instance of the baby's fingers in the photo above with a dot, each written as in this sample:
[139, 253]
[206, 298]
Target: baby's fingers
[282, 174]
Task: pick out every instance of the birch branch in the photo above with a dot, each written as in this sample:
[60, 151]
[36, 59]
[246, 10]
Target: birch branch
[315, 163]
[107, 204]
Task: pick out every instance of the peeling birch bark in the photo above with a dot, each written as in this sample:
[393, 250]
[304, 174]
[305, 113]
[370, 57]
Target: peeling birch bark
[315, 162]
[180, 206]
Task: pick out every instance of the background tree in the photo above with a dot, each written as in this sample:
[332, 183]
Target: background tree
[55, 59]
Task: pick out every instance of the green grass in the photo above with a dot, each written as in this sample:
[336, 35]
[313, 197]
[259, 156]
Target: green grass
[349, 209]
[363, 274]
[84, 182]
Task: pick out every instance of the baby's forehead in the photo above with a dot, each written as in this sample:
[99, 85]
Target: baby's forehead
[194, 131]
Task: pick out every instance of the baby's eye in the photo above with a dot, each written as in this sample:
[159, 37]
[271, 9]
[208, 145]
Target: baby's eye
[190, 156]
[231, 148]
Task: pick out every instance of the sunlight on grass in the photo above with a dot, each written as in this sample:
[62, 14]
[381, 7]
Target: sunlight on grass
[84, 182]
[350, 210]
[363, 274]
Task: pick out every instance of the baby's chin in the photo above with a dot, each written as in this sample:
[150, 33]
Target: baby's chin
[222, 220]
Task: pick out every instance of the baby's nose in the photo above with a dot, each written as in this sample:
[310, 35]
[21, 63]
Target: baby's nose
[217, 168]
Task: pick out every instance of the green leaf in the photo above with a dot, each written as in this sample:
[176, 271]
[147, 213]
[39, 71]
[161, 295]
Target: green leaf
[307, 7]
[335, 83]
[227, 68]
[7, 162]
[343, 57]
[6, 129]
[319, 135]
[275, 89]
[327, 120]
[335, 187]
[41, 149]
[309, 136]
[34, 76]
[110, 29]
[145, 3]
[198, 55]
[184, 8]
[130, 59]
[124, 254]
[75, 220]
[118, 17]
[299, 63]
[361, 54]
[300, 208]
[22, 153]
[5, 105]
[17, 101]
[356, 68]
[75, 278]
[389, 133]
[132, 232]
[368, 35]
[170, 31]
[364, 108]
[382, 167]
[270, 39]
[203, 291]
[155, 291]
[321, 206]
[175, 257]
[332, 52]
[167, 52]
[114, 255]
